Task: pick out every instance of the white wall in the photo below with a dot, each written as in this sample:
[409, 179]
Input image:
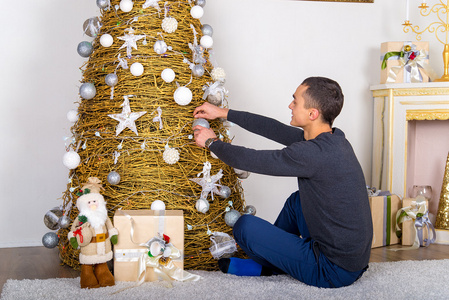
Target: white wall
[267, 47]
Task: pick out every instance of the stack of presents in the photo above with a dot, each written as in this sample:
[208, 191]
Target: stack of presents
[397, 221]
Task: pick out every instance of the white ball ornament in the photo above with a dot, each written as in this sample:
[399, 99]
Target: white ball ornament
[71, 159]
[106, 40]
[160, 47]
[136, 69]
[168, 75]
[169, 24]
[170, 155]
[158, 205]
[126, 5]
[206, 41]
[183, 95]
[202, 205]
[72, 115]
[218, 74]
[197, 12]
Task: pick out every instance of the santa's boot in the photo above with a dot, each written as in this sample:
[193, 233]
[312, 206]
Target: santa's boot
[104, 276]
[88, 279]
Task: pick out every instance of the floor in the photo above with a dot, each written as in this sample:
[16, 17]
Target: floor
[43, 263]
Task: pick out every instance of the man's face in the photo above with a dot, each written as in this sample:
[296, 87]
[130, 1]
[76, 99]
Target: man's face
[300, 114]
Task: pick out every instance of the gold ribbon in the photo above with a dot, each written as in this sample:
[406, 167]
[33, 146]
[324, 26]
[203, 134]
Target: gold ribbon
[416, 66]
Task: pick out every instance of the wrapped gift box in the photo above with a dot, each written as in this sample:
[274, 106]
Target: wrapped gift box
[394, 64]
[146, 225]
[383, 213]
[408, 227]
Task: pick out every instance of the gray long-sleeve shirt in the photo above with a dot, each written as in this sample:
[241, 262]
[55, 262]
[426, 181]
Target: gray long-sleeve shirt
[331, 183]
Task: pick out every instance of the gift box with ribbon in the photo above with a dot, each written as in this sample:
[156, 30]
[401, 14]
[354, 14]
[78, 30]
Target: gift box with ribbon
[150, 246]
[383, 213]
[405, 62]
[417, 230]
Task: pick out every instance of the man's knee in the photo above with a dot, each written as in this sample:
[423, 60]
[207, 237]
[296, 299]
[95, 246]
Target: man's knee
[241, 226]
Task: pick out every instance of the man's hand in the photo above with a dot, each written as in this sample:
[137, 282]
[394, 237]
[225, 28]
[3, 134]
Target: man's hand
[202, 134]
[210, 112]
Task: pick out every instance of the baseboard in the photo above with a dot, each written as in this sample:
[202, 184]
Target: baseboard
[442, 236]
[20, 244]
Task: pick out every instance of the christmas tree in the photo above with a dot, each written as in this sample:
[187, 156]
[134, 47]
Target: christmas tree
[150, 63]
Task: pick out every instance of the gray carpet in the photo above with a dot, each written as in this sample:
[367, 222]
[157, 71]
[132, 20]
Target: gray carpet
[395, 280]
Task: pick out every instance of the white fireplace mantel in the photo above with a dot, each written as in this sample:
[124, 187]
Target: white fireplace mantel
[394, 106]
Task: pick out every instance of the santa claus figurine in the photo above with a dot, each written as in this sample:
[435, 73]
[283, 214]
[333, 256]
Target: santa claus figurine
[93, 232]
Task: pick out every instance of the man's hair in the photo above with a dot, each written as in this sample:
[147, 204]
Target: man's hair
[325, 95]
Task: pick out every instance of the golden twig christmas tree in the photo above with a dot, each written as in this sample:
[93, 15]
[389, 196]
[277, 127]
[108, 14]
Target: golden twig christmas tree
[149, 65]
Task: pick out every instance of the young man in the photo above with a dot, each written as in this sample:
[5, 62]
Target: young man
[323, 234]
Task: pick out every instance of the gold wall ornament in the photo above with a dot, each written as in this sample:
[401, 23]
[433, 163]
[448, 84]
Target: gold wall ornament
[441, 26]
[412, 92]
[421, 115]
[360, 1]
[442, 221]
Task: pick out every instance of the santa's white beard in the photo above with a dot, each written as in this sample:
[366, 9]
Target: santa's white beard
[96, 218]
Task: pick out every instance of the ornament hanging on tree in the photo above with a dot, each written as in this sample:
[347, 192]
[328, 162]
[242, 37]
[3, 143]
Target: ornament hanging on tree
[51, 218]
[103, 4]
[223, 245]
[231, 217]
[241, 173]
[218, 74]
[168, 75]
[126, 5]
[202, 205]
[208, 182]
[111, 79]
[71, 159]
[126, 118]
[198, 70]
[160, 47]
[106, 40]
[50, 240]
[249, 210]
[214, 93]
[152, 3]
[206, 29]
[224, 192]
[201, 3]
[206, 41]
[87, 90]
[170, 155]
[183, 95]
[72, 115]
[85, 49]
[92, 26]
[169, 24]
[197, 12]
[136, 69]
[113, 178]
[130, 40]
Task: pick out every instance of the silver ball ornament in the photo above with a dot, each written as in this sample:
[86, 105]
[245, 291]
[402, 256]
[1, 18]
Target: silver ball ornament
[231, 217]
[113, 178]
[198, 70]
[51, 218]
[50, 240]
[87, 90]
[102, 3]
[201, 3]
[241, 173]
[111, 79]
[249, 210]
[160, 47]
[64, 222]
[206, 29]
[201, 122]
[202, 205]
[215, 99]
[85, 49]
[225, 192]
[92, 26]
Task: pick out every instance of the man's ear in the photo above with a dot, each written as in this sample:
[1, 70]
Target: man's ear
[314, 114]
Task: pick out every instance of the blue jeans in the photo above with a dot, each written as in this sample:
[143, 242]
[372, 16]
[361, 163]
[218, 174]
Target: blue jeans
[286, 247]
